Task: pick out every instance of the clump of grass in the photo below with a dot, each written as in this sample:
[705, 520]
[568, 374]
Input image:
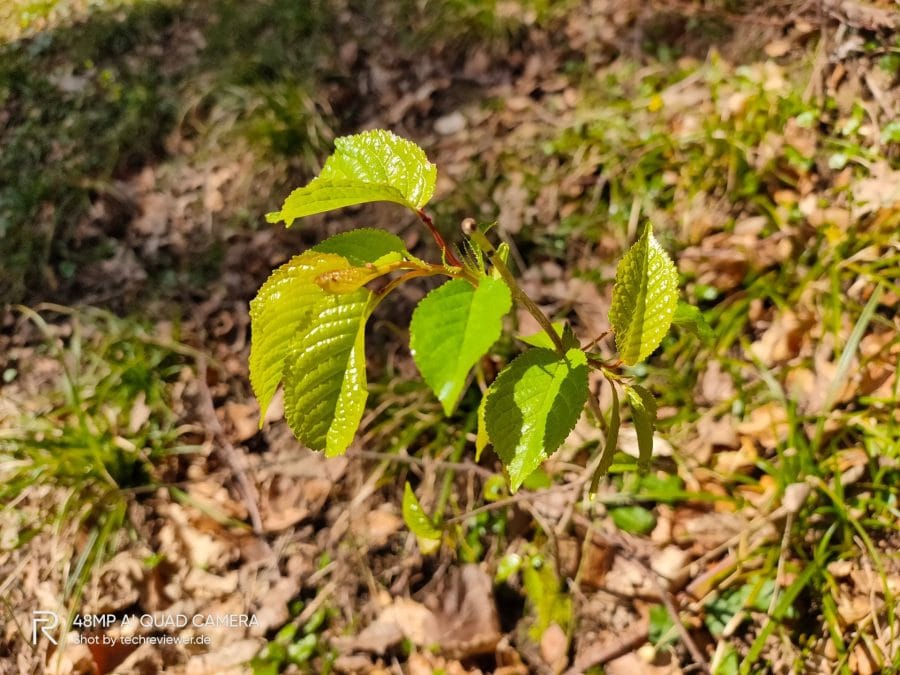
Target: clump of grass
[59, 89]
[103, 433]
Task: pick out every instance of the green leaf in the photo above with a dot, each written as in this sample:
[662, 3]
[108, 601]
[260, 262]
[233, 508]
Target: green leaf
[691, 319]
[532, 406]
[418, 522]
[643, 414]
[612, 440]
[365, 245]
[509, 564]
[281, 310]
[644, 298]
[368, 167]
[547, 595]
[453, 327]
[633, 519]
[662, 630]
[325, 376]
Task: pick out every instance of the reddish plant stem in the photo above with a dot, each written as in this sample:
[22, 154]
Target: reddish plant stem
[446, 250]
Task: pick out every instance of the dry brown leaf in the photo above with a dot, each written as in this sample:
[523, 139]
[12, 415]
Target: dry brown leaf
[273, 604]
[802, 138]
[628, 578]
[403, 618]
[554, 646]
[708, 530]
[513, 202]
[379, 526]
[716, 385]
[598, 561]
[468, 617]
[671, 564]
[767, 424]
[783, 339]
[777, 48]
[730, 462]
[286, 501]
[632, 664]
[116, 584]
[243, 419]
[230, 659]
[881, 190]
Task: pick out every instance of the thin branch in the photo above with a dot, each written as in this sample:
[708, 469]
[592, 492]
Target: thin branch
[672, 610]
[515, 499]
[604, 652]
[424, 463]
[226, 449]
[439, 240]
[521, 297]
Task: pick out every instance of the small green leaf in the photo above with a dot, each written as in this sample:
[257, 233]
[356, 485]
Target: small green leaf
[532, 406]
[280, 310]
[547, 595]
[494, 488]
[691, 319]
[300, 652]
[325, 377]
[453, 327]
[644, 298]
[662, 630]
[509, 564]
[368, 167]
[633, 519]
[643, 414]
[365, 245]
[612, 440]
[418, 522]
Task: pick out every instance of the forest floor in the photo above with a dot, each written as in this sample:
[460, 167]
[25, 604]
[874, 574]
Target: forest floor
[142, 142]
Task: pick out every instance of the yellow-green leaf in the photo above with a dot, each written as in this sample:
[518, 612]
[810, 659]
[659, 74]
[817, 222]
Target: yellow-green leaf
[644, 298]
[418, 522]
[281, 310]
[325, 387]
[367, 167]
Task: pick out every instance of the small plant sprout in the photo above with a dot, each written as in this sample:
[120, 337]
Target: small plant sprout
[309, 317]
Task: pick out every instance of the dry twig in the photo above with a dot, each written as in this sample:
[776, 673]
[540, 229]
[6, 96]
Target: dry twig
[225, 449]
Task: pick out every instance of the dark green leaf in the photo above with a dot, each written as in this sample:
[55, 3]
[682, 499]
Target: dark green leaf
[532, 406]
[643, 414]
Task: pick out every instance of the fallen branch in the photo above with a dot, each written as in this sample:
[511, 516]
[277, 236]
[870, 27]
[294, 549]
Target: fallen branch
[225, 449]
